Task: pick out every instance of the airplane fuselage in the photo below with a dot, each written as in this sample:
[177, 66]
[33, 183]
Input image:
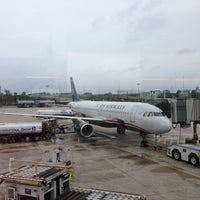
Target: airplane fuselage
[142, 117]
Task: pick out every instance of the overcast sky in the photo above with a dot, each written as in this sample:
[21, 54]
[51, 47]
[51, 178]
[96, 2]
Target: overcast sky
[105, 45]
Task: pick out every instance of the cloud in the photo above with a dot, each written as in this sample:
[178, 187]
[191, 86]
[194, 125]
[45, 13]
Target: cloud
[187, 51]
[41, 77]
[143, 19]
[100, 42]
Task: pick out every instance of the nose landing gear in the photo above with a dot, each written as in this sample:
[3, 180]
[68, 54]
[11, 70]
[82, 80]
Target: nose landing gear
[144, 142]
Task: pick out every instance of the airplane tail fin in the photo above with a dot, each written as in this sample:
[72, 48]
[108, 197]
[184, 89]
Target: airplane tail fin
[75, 96]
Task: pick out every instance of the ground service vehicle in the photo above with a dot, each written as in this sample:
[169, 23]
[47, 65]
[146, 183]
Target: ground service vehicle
[27, 131]
[186, 152]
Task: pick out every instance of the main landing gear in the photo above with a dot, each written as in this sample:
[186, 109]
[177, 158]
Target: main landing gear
[121, 130]
[144, 142]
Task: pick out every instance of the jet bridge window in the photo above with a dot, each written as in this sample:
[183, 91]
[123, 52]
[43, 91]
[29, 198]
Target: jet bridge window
[150, 114]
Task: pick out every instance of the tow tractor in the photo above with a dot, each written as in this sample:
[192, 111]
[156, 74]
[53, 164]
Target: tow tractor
[186, 152]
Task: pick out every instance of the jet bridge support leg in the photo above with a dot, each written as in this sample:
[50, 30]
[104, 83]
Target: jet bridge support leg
[194, 128]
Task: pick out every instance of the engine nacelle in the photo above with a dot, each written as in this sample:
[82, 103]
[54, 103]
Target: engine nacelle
[83, 128]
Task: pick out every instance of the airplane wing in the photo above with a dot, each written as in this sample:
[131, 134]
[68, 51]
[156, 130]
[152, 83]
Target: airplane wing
[54, 116]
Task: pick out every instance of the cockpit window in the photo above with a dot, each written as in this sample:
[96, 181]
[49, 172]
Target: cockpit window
[150, 114]
[163, 114]
[156, 114]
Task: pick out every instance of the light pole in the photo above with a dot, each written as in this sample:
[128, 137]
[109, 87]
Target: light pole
[47, 86]
[138, 86]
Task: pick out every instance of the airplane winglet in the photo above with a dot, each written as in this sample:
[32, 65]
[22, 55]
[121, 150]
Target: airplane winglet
[75, 96]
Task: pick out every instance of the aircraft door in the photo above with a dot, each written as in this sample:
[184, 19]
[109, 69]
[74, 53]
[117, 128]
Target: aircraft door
[133, 113]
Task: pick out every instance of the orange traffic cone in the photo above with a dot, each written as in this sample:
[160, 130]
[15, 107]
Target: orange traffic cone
[78, 142]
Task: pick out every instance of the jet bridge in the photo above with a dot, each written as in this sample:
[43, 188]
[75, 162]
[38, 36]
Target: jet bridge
[187, 112]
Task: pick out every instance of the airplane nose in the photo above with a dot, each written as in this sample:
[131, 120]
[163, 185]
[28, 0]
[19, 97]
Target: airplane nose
[167, 126]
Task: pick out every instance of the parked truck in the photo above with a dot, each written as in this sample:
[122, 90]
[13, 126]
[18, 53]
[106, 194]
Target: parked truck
[27, 131]
[186, 152]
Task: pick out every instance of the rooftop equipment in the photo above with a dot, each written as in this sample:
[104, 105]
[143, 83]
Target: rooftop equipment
[50, 182]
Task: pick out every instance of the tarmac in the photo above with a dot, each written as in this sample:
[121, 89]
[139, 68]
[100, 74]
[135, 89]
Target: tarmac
[114, 163]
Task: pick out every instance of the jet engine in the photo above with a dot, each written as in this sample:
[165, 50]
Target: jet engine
[83, 128]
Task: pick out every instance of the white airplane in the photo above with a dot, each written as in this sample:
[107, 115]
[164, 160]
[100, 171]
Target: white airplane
[142, 117]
